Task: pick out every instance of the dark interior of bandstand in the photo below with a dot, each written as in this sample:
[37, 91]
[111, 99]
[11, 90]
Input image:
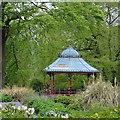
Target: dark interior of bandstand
[51, 91]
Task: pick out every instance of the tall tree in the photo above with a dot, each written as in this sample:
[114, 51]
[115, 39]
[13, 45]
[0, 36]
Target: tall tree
[14, 12]
[43, 30]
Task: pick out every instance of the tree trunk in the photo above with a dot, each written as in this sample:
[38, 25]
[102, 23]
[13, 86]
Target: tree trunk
[4, 32]
[0, 59]
[3, 56]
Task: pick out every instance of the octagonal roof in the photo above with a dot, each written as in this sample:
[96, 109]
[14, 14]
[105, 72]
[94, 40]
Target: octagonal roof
[70, 61]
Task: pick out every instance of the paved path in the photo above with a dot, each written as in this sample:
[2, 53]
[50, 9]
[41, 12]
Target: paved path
[16, 103]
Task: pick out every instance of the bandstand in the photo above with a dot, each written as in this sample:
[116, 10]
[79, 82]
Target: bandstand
[69, 62]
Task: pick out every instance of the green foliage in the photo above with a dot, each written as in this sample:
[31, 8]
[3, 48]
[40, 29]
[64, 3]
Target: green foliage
[36, 85]
[75, 106]
[9, 111]
[42, 106]
[96, 97]
[70, 102]
[6, 98]
[108, 113]
[66, 100]
[35, 39]
[47, 108]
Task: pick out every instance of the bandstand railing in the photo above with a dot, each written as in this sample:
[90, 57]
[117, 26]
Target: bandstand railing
[60, 92]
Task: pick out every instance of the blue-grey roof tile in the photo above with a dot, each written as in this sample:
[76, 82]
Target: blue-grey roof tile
[70, 61]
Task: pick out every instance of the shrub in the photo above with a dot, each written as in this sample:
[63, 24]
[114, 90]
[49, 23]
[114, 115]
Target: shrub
[75, 106]
[36, 85]
[22, 94]
[77, 102]
[78, 114]
[71, 102]
[42, 106]
[100, 92]
[6, 98]
[108, 113]
[66, 100]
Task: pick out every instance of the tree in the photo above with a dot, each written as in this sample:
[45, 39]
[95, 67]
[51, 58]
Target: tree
[14, 12]
[43, 30]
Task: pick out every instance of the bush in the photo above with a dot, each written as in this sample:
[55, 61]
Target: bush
[74, 106]
[100, 92]
[78, 114]
[36, 85]
[66, 100]
[21, 94]
[95, 107]
[6, 98]
[70, 102]
[77, 103]
[42, 106]
[108, 113]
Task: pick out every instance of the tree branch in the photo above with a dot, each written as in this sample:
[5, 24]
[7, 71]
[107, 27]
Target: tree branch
[41, 6]
[15, 57]
[117, 55]
[114, 19]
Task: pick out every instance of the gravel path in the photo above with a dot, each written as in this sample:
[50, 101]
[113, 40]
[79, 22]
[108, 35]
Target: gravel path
[16, 103]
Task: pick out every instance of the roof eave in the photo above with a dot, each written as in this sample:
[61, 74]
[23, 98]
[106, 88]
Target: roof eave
[68, 72]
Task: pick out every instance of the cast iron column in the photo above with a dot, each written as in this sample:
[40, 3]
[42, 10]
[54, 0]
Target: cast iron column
[69, 84]
[51, 84]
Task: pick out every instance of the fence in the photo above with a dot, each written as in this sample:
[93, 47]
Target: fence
[60, 92]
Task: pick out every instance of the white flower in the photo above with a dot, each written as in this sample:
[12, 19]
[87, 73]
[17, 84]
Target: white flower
[66, 115]
[19, 108]
[0, 106]
[55, 115]
[13, 107]
[24, 107]
[3, 108]
[31, 110]
[62, 116]
[27, 112]
[59, 115]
